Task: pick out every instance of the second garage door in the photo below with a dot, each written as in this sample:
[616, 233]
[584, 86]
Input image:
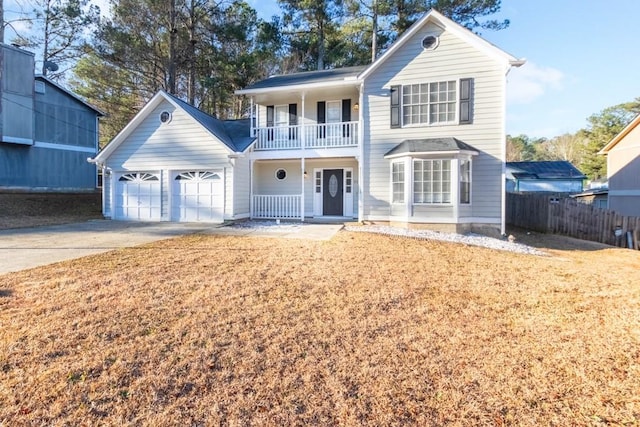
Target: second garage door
[198, 196]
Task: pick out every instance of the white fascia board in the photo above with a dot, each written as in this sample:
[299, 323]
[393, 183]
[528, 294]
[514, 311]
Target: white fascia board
[350, 81]
[129, 128]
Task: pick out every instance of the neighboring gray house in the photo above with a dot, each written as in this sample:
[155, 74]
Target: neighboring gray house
[623, 169]
[545, 176]
[46, 131]
[415, 138]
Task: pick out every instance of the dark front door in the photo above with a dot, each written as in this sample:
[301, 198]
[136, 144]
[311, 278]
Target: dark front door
[332, 192]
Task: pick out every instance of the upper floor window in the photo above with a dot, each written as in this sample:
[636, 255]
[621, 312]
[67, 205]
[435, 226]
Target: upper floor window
[433, 103]
[429, 103]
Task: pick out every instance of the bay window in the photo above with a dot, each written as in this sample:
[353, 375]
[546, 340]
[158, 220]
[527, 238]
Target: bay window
[397, 182]
[431, 181]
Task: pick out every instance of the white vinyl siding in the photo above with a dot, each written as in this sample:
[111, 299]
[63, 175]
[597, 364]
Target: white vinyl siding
[453, 59]
[181, 144]
[241, 177]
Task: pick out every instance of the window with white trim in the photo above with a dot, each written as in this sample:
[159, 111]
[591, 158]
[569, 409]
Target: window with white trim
[465, 181]
[397, 182]
[432, 181]
[433, 103]
[348, 178]
[429, 103]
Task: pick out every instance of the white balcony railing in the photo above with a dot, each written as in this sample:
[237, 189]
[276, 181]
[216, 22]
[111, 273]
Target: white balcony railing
[325, 135]
[275, 207]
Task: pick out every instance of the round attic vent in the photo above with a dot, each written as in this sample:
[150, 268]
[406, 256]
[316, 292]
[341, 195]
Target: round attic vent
[165, 117]
[430, 42]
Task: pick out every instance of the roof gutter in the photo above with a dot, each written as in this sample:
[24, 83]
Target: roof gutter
[350, 81]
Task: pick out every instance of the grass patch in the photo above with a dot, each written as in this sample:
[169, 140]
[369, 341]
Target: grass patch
[360, 330]
[36, 209]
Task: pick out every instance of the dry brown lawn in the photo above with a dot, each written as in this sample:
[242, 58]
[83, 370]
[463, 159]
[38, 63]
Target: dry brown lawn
[360, 330]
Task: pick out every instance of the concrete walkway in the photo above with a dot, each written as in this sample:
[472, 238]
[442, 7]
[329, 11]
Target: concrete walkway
[24, 248]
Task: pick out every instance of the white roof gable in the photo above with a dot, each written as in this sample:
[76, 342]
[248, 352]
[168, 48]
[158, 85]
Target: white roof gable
[458, 30]
[150, 106]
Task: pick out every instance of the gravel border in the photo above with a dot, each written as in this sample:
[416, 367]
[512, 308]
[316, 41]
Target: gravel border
[467, 239]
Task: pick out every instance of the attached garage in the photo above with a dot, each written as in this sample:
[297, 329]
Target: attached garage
[198, 196]
[138, 197]
[173, 162]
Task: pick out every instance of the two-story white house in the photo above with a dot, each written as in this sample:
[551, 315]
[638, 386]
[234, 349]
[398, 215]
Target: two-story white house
[417, 138]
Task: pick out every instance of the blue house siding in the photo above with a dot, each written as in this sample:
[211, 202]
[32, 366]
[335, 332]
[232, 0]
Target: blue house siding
[61, 119]
[36, 168]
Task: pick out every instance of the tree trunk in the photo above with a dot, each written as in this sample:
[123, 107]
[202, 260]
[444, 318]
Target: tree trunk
[374, 31]
[45, 48]
[191, 85]
[172, 47]
[320, 45]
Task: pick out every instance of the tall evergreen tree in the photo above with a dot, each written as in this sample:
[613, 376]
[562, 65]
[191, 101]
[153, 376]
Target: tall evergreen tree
[310, 25]
[602, 127]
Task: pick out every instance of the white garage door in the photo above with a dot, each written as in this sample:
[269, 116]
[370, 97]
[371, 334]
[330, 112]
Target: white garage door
[198, 196]
[138, 197]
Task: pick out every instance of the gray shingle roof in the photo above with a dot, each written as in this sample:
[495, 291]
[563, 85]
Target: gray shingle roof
[235, 134]
[429, 145]
[307, 77]
[560, 169]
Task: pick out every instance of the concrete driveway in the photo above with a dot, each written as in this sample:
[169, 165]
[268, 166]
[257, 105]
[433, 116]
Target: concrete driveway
[24, 248]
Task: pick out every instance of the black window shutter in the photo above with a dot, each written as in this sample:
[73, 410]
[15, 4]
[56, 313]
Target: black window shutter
[270, 113]
[293, 121]
[346, 116]
[466, 107]
[322, 118]
[395, 106]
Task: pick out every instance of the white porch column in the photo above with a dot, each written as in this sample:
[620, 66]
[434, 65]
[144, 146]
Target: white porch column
[361, 177]
[251, 213]
[251, 118]
[302, 144]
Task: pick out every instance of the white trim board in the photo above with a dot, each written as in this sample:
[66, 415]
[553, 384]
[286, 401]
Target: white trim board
[64, 147]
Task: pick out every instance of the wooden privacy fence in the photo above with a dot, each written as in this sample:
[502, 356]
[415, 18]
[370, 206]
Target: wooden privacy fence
[550, 213]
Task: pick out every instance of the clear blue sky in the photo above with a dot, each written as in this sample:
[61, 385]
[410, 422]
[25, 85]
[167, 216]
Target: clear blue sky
[582, 56]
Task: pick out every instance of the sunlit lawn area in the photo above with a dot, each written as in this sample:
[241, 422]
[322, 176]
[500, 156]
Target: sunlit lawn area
[360, 330]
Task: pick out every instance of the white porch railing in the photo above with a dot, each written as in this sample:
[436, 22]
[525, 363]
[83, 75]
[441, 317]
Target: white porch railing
[278, 138]
[324, 135]
[274, 207]
[330, 135]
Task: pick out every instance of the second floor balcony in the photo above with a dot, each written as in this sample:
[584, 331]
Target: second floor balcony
[307, 136]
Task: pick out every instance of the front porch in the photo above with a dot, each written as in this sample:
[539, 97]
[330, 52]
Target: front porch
[299, 189]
